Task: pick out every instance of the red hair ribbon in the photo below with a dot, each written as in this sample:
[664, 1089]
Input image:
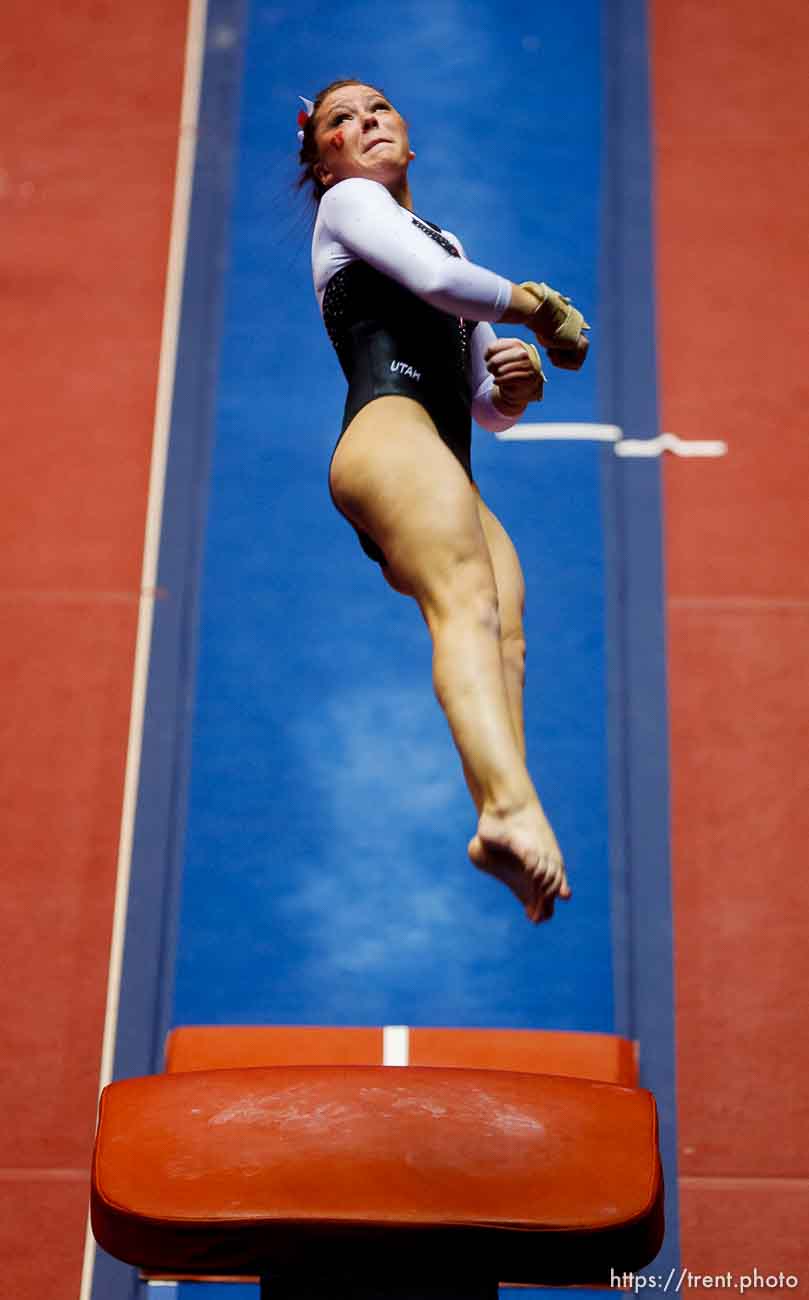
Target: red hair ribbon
[303, 115]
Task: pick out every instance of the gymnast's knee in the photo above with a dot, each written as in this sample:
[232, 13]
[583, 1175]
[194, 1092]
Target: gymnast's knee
[461, 587]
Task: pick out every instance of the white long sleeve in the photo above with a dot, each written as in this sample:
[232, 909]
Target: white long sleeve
[358, 219]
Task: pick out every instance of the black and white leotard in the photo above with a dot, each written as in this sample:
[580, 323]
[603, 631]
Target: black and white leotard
[406, 312]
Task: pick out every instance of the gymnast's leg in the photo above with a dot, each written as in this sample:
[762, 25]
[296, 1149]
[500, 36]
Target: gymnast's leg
[511, 602]
[394, 478]
[510, 583]
[510, 586]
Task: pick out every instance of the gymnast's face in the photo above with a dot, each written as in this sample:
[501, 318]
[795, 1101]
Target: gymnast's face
[359, 133]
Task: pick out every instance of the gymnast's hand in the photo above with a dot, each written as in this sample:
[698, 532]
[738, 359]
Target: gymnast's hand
[558, 326]
[517, 372]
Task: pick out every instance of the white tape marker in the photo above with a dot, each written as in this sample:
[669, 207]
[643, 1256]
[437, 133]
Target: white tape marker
[396, 1045]
[669, 442]
[629, 447]
[561, 432]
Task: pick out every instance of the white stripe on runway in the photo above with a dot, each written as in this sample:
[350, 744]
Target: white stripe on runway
[183, 180]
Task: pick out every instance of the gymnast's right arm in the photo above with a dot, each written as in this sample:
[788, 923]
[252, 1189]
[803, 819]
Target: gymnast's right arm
[360, 216]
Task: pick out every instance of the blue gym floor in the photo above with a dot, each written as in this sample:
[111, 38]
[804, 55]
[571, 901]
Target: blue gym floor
[326, 878]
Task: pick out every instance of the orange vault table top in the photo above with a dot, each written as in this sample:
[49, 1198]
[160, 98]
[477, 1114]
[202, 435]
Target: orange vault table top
[437, 1176]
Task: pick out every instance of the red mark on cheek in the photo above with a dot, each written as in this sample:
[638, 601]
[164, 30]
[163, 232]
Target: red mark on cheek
[338, 140]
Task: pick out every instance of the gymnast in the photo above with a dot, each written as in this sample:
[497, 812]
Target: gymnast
[408, 316]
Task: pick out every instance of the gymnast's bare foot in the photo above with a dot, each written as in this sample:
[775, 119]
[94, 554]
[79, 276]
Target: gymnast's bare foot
[519, 848]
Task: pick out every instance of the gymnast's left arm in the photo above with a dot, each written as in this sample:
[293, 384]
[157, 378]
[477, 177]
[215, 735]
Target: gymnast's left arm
[504, 376]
